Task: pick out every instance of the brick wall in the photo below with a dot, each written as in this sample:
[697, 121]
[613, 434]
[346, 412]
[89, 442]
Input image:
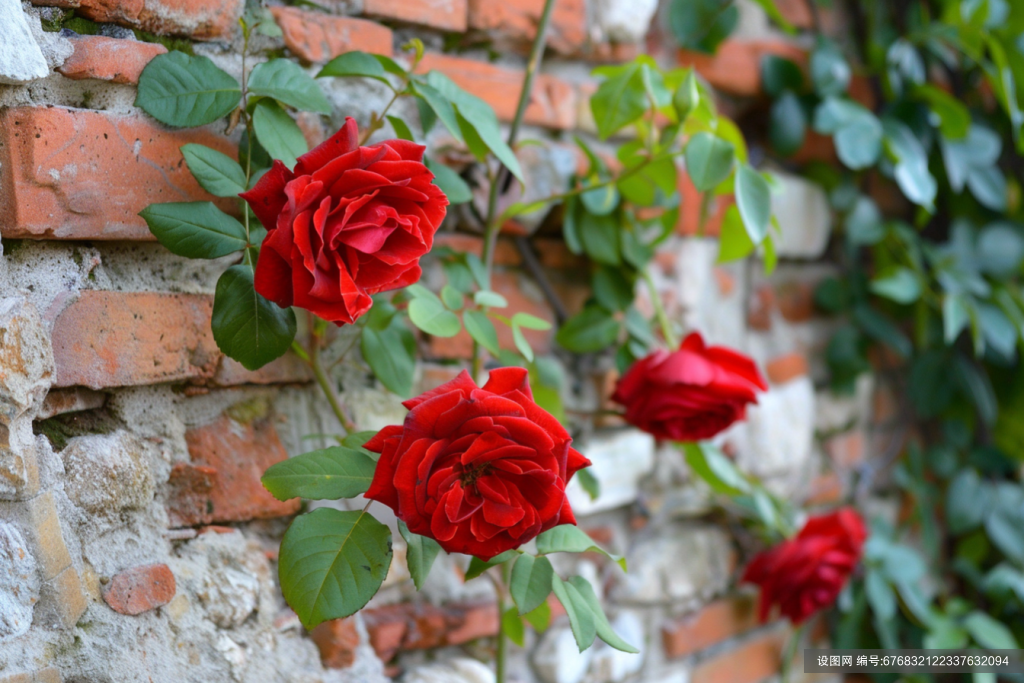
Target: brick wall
[136, 543]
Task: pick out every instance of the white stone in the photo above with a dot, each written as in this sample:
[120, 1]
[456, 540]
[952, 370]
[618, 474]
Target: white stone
[55, 48]
[611, 665]
[19, 583]
[624, 21]
[547, 171]
[621, 459]
[719, 316]
[459, 670]
[229, 596]
[777, 438]
[680, 562]
[21, 60]
[803, 211]
[558, 659]
[833, 412]
[233, 654]
[107, 473]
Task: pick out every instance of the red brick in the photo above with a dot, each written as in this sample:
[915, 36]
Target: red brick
[109, 59]
[448, 15]
[762, 304]
[518, 20]
[552, 104]
[690, 210]
[825, 489]
[846, 450]
[285, 370]
[725, 281]
[420, 626]
[140, 589]
[755, 660]
[199, 19]
[736, 67]
[222, 482]
[782, 369]
[75, 174]
[712, 624]
[337, 640]
[318, 37]
[109, 339]
[505, 252]
[796, 301]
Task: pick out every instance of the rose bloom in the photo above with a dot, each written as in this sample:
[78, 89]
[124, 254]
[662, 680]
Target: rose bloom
[689, 394]
[479, 470]
[346, 223]
[806, 573]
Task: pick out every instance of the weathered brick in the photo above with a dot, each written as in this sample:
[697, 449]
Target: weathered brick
[448, 15]
[62, 601]
[48, 675]
[108, 339]
[552, 104]
[755, 660]
[761, 307]
[60, 401]
[784, 368]
[825, 489]
[109, 59]
[285, 370]
[222, 481]
[694, 221]
[140, 589]
[420, 626]
[75, 174]
[518, 20]
[337, 640]
[199, 19]
[736, 66]
[318, 37]
[846, 450]
[49, 548]
[795, 301]
[718, 621]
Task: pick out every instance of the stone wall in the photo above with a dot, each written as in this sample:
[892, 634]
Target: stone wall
[136, 542]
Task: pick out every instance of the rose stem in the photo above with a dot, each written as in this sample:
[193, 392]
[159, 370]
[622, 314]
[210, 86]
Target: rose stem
[313, 360]
[659, 309]
[493, 223]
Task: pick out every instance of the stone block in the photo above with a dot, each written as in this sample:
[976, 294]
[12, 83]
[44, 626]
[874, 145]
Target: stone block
[677, 563]
[45, 534]
[197, 19]
[19, 583]
[804, 209]
[21, 60]
[621, 459]
[107, 473]
[62, 601]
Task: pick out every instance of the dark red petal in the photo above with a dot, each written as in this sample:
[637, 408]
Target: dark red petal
[463, 384]
[273, 278]
[267, 197]
[345, 140]
[505, 380]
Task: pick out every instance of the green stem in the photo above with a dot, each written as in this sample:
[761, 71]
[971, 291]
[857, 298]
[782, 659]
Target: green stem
[325, 383]
[792, 645]
[659, 310]
[501, 656]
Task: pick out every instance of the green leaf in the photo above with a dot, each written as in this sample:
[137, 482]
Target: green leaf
[954, 118]
[911, 173]
[284, 81]
[611, 289]
[620, 100]
[709, 160]
[779, 74]
[880, 595]
[599, 236]
[440, 106]
[450, 182]
[481, 329]
[754, 200]
[452, 298]
[328, 474]
[569, 538]
[604, 629]
[592, 329]
[859, 142]
[687, 96]
[359, 64]
[735, 242]
[490, 299]
[389, 348]
[966, 502]
[219, 174]
[522, 345]
[787, 126]
[540, 618]
[901, 285]
[478, 566]
[830, 72]
[601, 201]
[702, 24]
[420, 554]
[530, 322]
[715, 469]
[530, 583]
[481, 117]
[332, 563]
[430, 315]
[581, 619]
[989, 632]
[278, 133]
[194, 229]
[513, 627]
[403, 131]
[589, 483]
[186, 91]
[246, 326]
[988, 185]
[954, 317]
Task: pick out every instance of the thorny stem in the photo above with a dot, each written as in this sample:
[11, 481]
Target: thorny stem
[324, 381]
[377, 122]
[659, 310]
[501, 655]
[493, 222]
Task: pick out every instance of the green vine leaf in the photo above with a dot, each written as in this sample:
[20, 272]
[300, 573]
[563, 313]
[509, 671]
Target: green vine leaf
[332, 563]
[603, 628]
[709, 160]
[569, 538]
[278, 132]
[389, 348]
[284, 81]
[194, 229]
[530, 583]
[420, 554]
[754, 200]
[246, 326]
[217, 173]
[355, 64]
[186, 91]
[581, 618]
[327, 474]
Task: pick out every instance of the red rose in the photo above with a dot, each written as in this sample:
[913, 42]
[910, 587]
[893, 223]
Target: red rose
[806, 573]
[347, 223]
[690, 394]
[480, 471]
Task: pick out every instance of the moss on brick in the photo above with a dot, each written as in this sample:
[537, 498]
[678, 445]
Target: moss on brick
[60, 429]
